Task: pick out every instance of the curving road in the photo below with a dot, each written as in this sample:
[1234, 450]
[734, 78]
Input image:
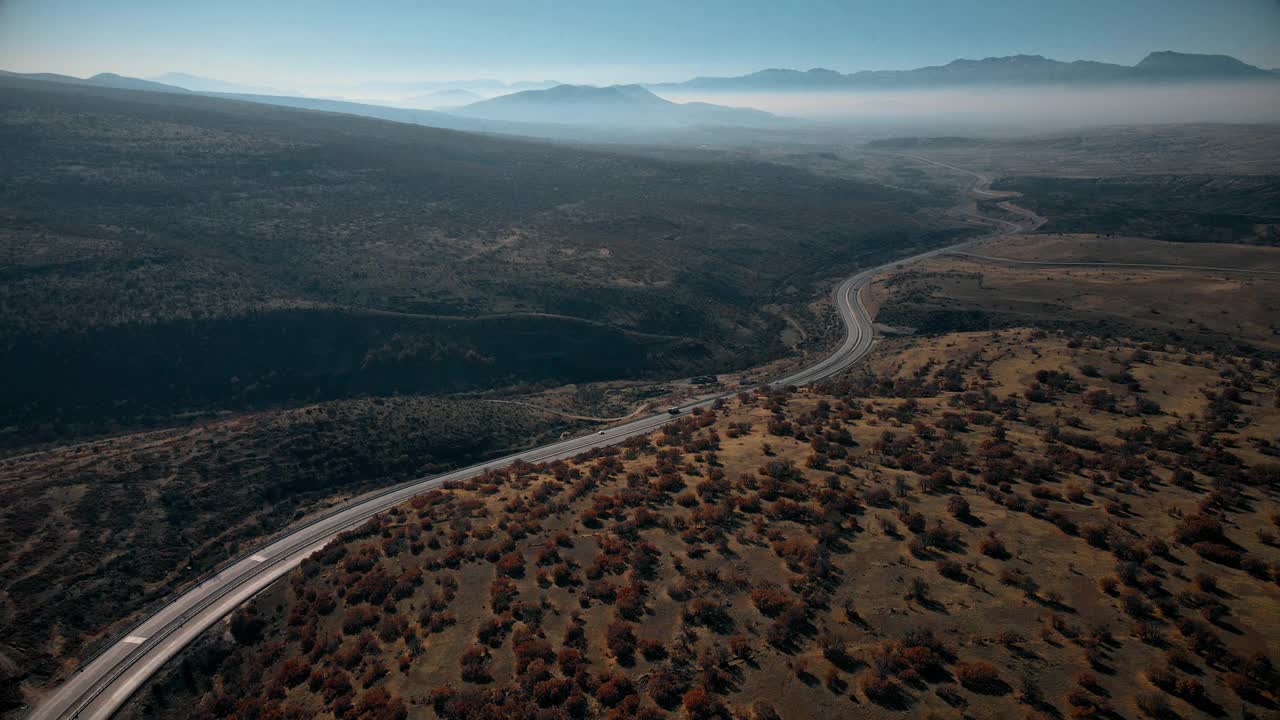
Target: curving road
[107, 681]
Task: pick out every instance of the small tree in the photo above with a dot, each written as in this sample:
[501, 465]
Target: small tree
[979, 676]
[621, 641]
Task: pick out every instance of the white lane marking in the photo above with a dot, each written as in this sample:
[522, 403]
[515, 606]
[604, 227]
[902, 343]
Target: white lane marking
[257, 558]
[134, 640]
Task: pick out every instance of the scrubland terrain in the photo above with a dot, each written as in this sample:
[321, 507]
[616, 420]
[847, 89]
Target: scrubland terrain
[1086, 247]
[1197, 183]
[1185, 207]
[1237, 312]
[1204, 149]
[977, 524]
[92, 533]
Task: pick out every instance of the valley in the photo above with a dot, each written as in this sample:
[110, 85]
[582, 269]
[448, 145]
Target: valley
[883, 688]
[339, 389]
[206, 335]
[430, 261]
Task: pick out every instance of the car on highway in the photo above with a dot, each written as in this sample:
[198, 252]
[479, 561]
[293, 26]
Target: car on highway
[674, 411]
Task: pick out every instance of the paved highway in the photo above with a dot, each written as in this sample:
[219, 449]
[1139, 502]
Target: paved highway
[107, 681]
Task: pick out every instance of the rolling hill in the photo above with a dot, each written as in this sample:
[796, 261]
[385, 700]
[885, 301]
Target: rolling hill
[106, 80]
[204, 254]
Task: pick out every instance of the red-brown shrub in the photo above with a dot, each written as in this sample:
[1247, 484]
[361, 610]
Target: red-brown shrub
[882, 690]
[701, 704]
[770, 599]
[666, 687]
[978, 676]
[475, 665]
[620, 638]
[614, 690]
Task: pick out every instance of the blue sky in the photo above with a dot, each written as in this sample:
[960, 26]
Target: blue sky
[296, 43]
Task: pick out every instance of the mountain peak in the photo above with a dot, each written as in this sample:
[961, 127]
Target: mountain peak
[122, 82]
[1007, 60]
[1020, 70]
[582, 93]
[619, 105]
[1171, 62]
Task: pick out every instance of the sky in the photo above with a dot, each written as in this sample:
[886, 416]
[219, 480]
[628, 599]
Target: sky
[306, 43]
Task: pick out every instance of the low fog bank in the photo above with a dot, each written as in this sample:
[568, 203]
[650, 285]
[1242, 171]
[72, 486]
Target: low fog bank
[1001, 110]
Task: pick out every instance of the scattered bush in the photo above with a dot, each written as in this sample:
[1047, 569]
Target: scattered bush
[979, 676]
[992, 547]
[620, 638]
[882, 690]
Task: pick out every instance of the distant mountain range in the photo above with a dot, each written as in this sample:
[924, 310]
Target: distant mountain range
[482, 86]
[452, 97]
[1012, 70]
[616, 105]
[196, 83]
[1164, 66]
[548, 109]
[578, 129]
[110, 80]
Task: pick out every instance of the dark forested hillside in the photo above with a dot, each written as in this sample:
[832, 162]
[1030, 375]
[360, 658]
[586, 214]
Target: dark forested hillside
[166, 253]
[1187, 208]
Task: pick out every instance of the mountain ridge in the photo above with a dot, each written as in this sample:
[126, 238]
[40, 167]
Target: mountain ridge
[1019, 69]
[444, 98]
[1161, 66]
[619, 105]
[197, 83]
[106, 79]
